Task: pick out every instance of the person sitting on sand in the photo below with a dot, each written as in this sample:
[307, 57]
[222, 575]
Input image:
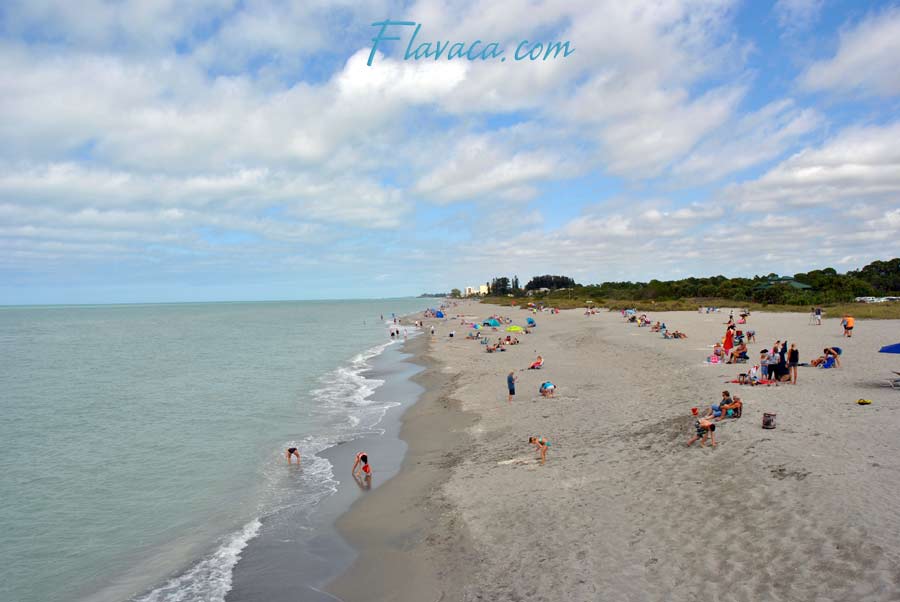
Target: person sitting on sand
[547, 389]
[732, 410]
[753, 375]
[751, 336]
[540, 444]
[292, 452]
[655, 327]
[705, 429]
[361, 466]
[718, 351]
[738, 353]
[537, 364]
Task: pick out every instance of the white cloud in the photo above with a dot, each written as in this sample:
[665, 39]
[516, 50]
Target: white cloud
[795, 16]
[748, 141]
[480, 165]
[867, 60]
[860, 164]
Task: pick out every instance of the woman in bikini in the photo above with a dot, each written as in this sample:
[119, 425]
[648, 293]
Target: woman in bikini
[540, 444]
[361, 466]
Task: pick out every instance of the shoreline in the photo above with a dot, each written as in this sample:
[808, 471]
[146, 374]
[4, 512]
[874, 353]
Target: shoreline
[389, 526]
[623, 509]
[282, 563]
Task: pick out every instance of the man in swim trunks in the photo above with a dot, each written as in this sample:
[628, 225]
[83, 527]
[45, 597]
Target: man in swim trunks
[705, 428]
[292, 451]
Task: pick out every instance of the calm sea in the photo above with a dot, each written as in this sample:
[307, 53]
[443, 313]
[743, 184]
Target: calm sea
[142, 445]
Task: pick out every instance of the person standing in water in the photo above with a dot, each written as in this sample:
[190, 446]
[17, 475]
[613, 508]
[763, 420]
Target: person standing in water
[292, 451]
[361, 466]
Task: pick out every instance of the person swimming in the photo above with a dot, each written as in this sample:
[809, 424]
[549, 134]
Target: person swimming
[541, 444]
[292, 451]
[362, 464]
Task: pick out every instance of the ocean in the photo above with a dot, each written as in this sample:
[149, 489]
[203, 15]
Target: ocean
[143, 445]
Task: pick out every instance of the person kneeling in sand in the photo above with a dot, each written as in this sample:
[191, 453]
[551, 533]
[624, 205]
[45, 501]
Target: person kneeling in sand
[541, 444]
[705, 429]
[547, 389]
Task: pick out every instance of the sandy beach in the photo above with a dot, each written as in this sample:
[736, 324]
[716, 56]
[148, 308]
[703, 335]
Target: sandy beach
[623, 509]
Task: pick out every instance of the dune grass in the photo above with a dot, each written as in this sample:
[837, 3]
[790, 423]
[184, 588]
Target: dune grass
[868, 311]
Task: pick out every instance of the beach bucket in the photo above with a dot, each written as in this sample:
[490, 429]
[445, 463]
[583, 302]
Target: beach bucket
[694, 411]
[768, 421]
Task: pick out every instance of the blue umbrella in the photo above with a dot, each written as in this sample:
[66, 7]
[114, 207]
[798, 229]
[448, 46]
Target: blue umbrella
[895, 348]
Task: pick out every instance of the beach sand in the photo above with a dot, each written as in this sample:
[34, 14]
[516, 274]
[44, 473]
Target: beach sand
[623, 510]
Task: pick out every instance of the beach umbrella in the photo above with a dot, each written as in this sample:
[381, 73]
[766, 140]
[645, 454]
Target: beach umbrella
[513, 329]
[895, 348]
[491, 322]
[439, 314]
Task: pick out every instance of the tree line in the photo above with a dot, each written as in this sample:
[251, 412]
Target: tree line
[877, 279]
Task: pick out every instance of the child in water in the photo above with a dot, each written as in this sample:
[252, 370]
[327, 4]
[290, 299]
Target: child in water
[541, 444]
[361, 466]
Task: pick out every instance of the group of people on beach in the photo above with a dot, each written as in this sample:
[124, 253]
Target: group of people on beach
[728, 407]
[642, 320]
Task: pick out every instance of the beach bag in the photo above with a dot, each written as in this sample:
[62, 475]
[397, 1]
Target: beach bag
[768, 421]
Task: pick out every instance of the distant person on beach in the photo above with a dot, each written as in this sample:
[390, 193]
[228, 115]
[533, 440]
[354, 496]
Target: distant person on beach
[537, 364]
[511, 379]
[291, 452]
[847, 323]
[361, 467]
[818, 313]
[432, 331]
[732, 409]
[540, 444]
[547, 389]
[705, 429]
[793, 362]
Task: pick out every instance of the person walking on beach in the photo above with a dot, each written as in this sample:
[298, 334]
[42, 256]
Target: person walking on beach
[511, 379]
[361, 467]
[793, 362]
[291, 452]
[847, 323]
[818, 316]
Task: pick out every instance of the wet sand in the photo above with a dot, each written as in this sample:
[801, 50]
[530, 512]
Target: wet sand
[623, 510]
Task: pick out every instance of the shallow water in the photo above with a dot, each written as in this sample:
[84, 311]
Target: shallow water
[143, 444]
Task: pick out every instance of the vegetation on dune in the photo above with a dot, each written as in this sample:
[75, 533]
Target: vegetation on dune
[827, 288]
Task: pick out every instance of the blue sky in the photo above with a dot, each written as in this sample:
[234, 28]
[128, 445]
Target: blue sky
[228, 150]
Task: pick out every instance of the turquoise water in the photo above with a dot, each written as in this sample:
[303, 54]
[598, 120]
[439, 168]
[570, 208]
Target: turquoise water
[145, 441]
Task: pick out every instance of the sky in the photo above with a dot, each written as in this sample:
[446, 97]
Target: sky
[162, 150]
